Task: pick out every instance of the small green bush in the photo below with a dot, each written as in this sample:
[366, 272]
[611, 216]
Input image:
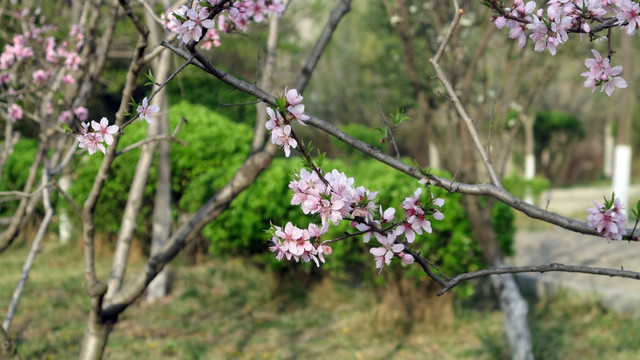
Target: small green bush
[364, 133]
[16, 171]
[216, 147]
[519, 186]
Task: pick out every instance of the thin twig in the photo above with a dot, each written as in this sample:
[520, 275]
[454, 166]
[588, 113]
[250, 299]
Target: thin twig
[541, 269]
[458, 104]
[149, 140]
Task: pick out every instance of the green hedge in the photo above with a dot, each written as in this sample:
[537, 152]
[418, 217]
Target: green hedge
[16, 171]
[216, 147]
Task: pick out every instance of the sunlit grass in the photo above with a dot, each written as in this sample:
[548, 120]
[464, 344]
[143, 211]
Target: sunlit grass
[230, 309]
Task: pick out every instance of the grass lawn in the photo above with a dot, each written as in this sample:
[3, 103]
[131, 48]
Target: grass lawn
[228, 309]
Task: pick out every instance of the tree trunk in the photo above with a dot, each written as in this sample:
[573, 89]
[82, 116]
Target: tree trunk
[95, 336]
[7, 348]
[512, 304]
[162, 206]
[130, 215]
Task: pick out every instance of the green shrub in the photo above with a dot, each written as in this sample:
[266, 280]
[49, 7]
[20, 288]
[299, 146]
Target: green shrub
[364, 133]
[216, 148]
[197, 87]
[16, 171]
[519, 186]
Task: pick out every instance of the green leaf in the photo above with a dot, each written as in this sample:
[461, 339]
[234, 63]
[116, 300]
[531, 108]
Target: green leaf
[399, 117]
[179, 17]
[281, 103]
[133, 103]
[66, 127]
[149, 76]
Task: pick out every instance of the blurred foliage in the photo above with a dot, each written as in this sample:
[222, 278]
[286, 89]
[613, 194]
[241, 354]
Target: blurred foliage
[197, 87]
[520, 186]
[502, 218]
[556, 124]
[361, 132]
[16, 171]
[555, 132]
[216, 147]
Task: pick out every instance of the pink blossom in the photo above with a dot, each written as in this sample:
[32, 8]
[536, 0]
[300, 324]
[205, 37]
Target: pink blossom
[292, 96]
[408, 230]
[610, 222]
[211, 38]
[629, 14]
[15, 112]
[68, 79]
[601, 73]
[90, 140]
[323, 250]
[146, 112]
[275, 119]
[105, 131]
[282, 136]
[278, 249]
[419, 222]
[39, 77]
[384, 254]
[81, 113]
[297, 112]
[191, 29]
[405, 258]
[65, 117]
[73, 61]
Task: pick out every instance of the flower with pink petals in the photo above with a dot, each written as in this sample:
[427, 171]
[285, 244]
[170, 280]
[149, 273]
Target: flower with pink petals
[146, 112]
[384, 254]
[297, 112]
[292, 96]
[15, 112]
[608, 219]
[65, 117]
[90, 140]
[629, 14]
[282, 136]
[81, 113]
[105, 130]
[275, 119]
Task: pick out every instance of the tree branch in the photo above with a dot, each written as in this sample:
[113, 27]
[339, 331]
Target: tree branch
[541, 269]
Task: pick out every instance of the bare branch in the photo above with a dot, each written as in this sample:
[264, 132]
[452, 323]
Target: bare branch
[35, 248]
[149, 140]
[496, 192]
[458, 104]
[541, 269]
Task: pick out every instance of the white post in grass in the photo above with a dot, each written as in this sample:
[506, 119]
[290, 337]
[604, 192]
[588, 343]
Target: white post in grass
[622, 152]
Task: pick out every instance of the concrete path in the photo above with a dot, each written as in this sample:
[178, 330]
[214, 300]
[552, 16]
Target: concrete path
[565, 247]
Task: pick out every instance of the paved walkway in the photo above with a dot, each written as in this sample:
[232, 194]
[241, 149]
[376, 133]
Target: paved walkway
[562, 246]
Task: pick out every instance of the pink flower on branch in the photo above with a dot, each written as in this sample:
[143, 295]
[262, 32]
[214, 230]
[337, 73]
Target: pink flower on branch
[384, 254]
[146, 112]
[105, 130]
[92, 137]
[608, 219]
[15, 112]
[601, 73]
